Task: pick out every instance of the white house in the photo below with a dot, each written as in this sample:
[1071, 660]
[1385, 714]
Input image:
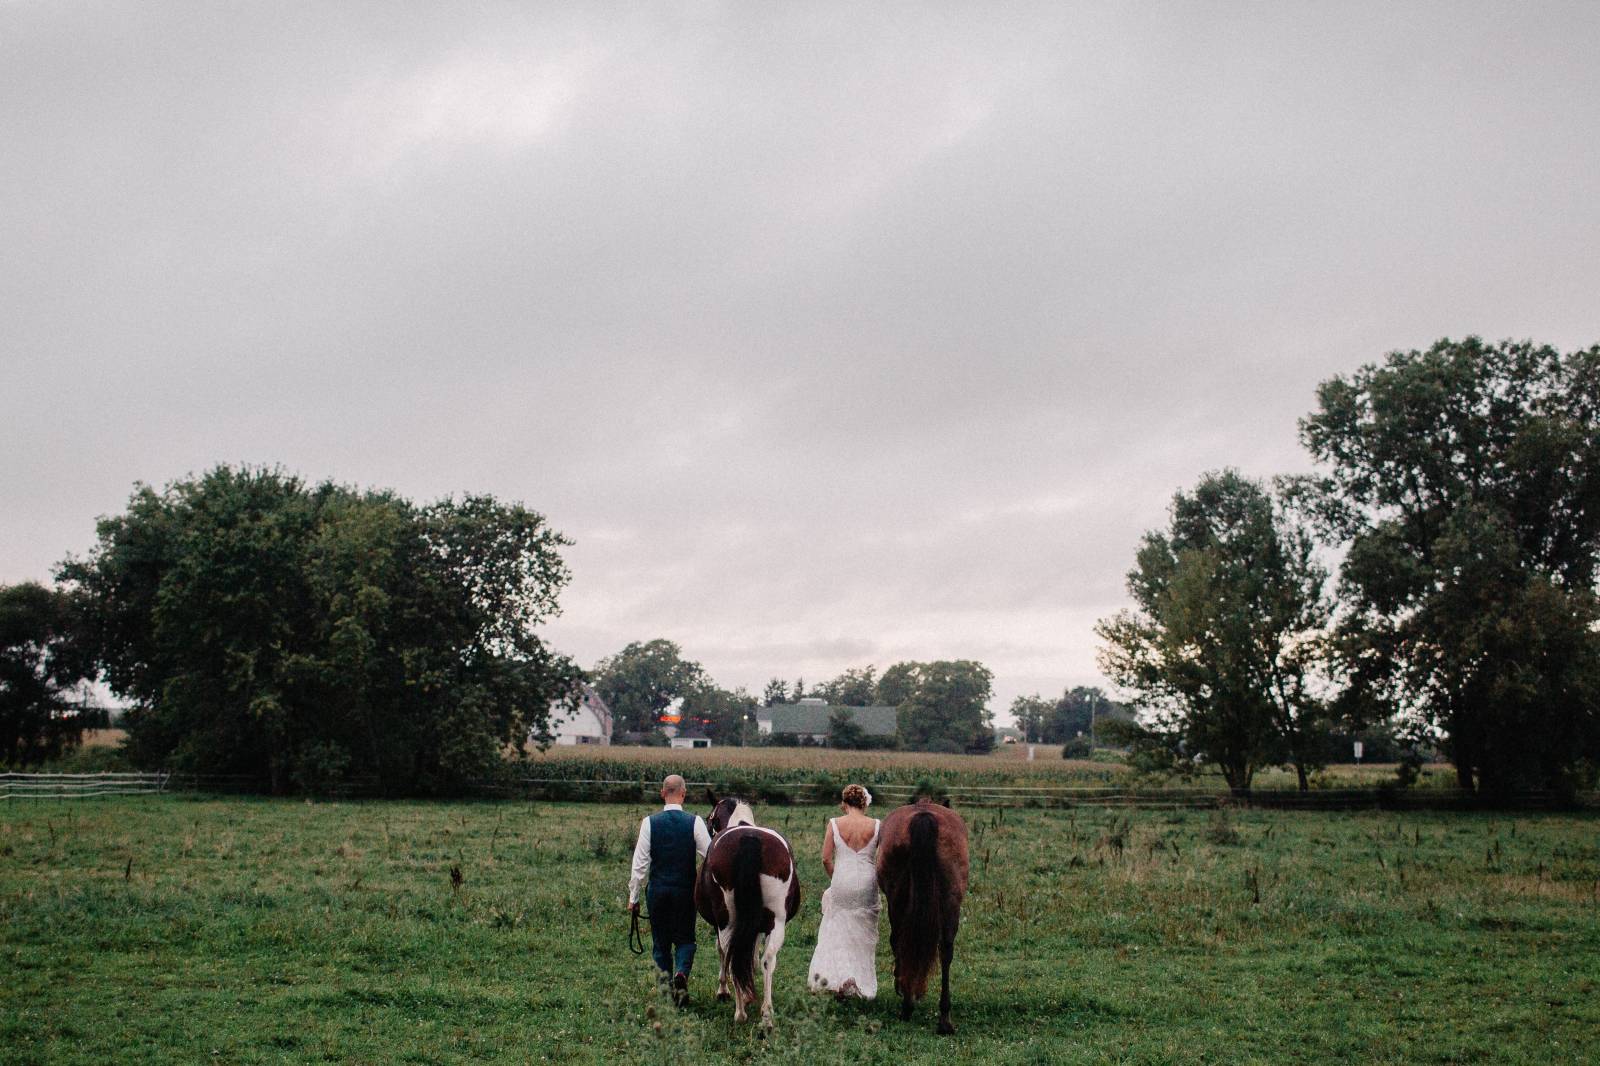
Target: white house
[690, 740]
[588, 723]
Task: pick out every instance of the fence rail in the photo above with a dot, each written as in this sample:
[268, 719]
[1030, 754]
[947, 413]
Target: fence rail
[635, 790]
[623, 790]
[80, 786]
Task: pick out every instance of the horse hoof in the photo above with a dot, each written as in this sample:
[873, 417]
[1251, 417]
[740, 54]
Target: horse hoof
[723, 997]
[905, 1012]
[946, 1028]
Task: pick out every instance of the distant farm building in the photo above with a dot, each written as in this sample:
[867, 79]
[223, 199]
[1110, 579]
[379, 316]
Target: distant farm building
[587, 723]
[691, 740]
[806, 722]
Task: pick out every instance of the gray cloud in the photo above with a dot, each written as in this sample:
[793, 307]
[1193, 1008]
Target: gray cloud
[832, 335]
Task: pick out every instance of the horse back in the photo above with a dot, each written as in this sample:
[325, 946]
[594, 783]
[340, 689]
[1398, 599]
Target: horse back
[894, 847]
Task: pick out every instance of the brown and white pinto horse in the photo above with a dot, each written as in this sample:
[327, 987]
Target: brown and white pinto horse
[725, 813]
[922, 869]
[747, 886]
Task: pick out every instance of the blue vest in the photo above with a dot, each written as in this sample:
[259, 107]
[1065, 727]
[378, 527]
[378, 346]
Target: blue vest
[672, 850]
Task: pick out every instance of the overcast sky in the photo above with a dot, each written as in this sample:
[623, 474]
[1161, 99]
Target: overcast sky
[833, 335]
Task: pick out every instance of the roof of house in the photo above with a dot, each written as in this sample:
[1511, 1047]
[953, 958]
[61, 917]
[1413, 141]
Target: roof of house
[1007, 731]
[812, 718]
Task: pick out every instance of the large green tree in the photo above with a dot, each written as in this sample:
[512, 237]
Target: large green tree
[308, 634]
[853, 688]
[1224, 647]
[1082, 709]
[1465, 482]
[897, 683]
[1031, 713]
[726, 715]
[641, 680]
[947, 707]
[43, 710]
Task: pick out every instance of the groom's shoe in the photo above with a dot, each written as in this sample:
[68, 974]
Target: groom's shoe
[680, 988]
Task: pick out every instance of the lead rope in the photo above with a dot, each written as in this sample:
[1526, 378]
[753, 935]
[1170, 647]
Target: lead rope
[635, 937]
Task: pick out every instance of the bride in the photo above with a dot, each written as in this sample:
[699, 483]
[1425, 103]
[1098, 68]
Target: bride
[847, 941]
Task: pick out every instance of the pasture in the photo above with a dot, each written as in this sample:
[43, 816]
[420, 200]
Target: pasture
[187, 929]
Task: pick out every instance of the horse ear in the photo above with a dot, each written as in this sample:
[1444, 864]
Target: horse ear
[711, 793]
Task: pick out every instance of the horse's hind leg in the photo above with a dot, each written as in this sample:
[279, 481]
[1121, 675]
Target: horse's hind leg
[724, 942]
[947, 948]
[722, 972]
[769, 963]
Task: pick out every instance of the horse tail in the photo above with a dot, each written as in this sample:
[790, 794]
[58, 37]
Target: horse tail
[747, 908]
[924, 904]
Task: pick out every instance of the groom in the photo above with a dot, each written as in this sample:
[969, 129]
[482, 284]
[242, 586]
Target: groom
[669, 841]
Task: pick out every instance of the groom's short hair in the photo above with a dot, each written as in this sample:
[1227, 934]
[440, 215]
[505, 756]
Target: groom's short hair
[673, 783]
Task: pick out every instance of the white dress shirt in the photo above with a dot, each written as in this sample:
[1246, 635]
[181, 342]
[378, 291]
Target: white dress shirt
[641, 850]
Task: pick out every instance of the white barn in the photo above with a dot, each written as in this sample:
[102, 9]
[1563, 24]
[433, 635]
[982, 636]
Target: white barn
[588, 723]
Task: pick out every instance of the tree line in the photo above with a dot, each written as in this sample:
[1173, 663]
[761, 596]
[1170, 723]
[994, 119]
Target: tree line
[1433, 580]
[1457, 489]
[940, 706]
[296, 634]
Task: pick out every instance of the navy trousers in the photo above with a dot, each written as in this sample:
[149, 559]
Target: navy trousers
[672, 919]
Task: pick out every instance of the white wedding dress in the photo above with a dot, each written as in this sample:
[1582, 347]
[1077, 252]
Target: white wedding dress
[847, 941]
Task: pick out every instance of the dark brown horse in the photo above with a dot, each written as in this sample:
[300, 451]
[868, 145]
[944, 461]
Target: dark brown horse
[748, 886]
[922, 869]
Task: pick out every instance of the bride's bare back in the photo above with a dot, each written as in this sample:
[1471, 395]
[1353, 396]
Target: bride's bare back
[855, 829]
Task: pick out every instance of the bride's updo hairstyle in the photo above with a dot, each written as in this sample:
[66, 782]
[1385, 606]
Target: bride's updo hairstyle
[856, 796]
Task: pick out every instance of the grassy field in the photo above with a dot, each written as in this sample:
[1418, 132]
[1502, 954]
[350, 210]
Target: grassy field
[183, 929]
[1007, 765]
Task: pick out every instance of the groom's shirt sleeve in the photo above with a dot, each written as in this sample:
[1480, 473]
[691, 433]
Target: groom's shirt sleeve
[702, 837]
[641, 862]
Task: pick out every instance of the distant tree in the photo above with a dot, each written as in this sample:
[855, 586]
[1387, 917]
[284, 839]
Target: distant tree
[640, 681]
[1030, 714]
[42, 713]
[1080, 710]
[720, 712]
[853, 688]
[844, 731]
[305, 634]
[1224, 648]
[897, 684]
[776, 692]
[1464, 481]
[948, 708]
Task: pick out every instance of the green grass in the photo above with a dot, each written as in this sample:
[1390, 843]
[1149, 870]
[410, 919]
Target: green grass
[250, 930]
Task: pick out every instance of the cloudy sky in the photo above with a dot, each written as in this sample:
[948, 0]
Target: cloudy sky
[833, 335]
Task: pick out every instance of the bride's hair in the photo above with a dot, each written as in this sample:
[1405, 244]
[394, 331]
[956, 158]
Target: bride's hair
[856, 796]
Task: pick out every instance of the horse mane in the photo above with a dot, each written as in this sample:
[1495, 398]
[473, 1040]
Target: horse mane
[729, 812]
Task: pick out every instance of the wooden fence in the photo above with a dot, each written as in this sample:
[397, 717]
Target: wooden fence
[619, 790]
[80, 786]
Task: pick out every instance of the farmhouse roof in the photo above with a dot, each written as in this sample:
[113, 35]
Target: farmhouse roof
[812, 718]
